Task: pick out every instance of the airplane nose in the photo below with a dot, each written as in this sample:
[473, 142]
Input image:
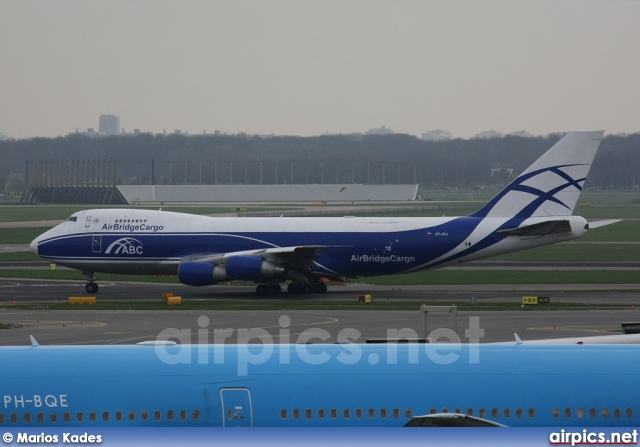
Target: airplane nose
[34, 245]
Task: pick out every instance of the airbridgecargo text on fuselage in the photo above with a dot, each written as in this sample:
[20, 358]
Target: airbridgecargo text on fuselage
[382, 259]
[132, 228]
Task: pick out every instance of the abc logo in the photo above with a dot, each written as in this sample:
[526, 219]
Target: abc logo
[125, 246]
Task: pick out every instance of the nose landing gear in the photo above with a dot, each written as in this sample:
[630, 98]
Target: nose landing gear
[90, 286]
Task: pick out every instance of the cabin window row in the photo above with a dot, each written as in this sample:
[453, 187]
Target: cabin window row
[581, 413]
[131, 220]
[345, 413]
[490, 413]
[484, 413]
[105, 416]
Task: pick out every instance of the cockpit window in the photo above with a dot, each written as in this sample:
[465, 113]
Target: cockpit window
[72, 219]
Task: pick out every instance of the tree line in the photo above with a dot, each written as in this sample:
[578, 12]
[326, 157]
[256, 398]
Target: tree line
[240, 159]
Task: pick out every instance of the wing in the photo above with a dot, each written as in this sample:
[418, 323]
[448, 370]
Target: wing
[277, 263]
[450, 420]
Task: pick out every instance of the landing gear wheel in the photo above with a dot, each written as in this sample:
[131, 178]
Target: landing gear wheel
[90, 286]
[261, 289]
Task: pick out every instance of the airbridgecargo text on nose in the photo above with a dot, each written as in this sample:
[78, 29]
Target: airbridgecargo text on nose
[256, 346]
[131, 227]
[382, 259]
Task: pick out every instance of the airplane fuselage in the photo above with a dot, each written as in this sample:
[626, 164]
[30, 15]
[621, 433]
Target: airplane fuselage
[318, 385]
[135, 241]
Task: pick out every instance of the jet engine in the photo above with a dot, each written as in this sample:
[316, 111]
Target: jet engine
[248, 268]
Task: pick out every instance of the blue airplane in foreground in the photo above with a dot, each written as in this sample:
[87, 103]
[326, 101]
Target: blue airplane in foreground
[534, 210]
[419, 385]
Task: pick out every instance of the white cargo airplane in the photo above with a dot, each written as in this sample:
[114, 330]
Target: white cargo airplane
[534, 210]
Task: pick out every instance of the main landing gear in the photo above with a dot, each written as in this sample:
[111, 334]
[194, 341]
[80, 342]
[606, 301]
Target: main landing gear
[90, 286]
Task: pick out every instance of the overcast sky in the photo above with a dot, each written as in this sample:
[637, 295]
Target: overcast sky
[310, 67]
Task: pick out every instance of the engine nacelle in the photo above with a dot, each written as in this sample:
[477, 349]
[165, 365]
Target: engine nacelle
[248, 268]
[251, 268]
[195, 273]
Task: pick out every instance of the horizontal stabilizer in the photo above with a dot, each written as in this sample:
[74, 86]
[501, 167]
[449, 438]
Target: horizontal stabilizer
[602, 223]
[539, 229]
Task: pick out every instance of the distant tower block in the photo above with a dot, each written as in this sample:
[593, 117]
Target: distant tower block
[109, 125]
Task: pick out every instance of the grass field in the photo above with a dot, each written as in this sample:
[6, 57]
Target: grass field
[591, 197]
[19, 257]
[465, 276]
[576, 251]
[20, 235]
[68, 274]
